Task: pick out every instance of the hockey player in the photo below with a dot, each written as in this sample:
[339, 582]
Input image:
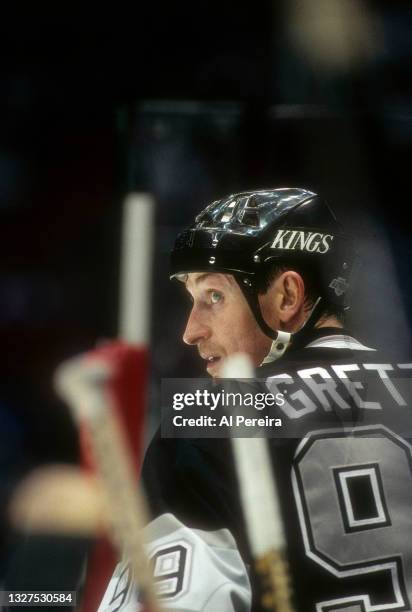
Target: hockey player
[268, 272]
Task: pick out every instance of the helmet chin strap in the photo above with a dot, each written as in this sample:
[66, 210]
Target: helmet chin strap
[285, 339]
[281, 340]
[278, 347]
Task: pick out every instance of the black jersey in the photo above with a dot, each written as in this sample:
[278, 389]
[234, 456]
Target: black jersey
[345, 480]
[344, 476]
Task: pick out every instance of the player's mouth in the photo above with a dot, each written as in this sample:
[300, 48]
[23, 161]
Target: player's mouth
[213, 361]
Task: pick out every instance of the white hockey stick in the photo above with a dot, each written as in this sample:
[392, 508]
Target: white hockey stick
[260, 504]
[84, 384]
[135, 268]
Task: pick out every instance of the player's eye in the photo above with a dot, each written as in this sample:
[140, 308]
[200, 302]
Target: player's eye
[215, 297]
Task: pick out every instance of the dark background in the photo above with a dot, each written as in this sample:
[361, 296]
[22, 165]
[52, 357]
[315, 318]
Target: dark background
[190, 102]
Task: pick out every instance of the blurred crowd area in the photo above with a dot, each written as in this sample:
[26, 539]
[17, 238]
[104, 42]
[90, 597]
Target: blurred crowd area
[189, 103]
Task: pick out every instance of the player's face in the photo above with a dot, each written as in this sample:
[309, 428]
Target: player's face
[221, 322]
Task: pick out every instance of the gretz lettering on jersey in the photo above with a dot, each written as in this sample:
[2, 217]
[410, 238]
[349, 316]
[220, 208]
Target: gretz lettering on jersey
[320, 387]
[351, 475]
[299, 240]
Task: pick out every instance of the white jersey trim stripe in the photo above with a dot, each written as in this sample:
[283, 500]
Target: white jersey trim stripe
[339, 342]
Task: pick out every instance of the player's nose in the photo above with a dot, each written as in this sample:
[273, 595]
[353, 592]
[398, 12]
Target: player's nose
[196, 329]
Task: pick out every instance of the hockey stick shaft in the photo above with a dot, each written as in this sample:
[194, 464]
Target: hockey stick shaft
[87, 393]
[82, 383]
[135, 268]
[260, 504]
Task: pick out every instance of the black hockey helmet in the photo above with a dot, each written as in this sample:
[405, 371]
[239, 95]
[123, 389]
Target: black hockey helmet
[244, 233]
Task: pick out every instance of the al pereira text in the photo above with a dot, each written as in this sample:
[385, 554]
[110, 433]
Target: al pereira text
[226, 421]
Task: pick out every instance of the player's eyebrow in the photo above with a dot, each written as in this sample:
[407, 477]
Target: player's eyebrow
[221, 278]
[216, 276]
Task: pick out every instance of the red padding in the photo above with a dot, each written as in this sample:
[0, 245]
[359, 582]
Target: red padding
[127, 387]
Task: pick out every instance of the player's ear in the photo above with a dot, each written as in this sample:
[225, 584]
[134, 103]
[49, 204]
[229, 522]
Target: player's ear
[291, 295]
